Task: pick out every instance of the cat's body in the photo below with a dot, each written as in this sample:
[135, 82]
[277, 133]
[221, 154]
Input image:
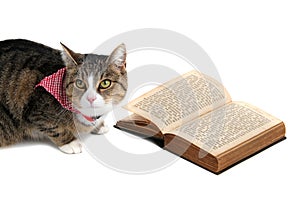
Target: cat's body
[92, 83]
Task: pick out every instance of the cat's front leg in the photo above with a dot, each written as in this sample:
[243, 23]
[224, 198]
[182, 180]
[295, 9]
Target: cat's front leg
[72, 147]
[100, 128]
[66, 141]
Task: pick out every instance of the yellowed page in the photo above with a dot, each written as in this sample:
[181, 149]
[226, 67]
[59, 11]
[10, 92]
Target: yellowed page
[224, 128]
[180, 100]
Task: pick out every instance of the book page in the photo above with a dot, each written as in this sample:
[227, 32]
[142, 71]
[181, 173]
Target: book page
[180, 100]
[224, 128]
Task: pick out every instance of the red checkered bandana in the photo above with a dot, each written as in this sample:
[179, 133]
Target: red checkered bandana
[54, 85]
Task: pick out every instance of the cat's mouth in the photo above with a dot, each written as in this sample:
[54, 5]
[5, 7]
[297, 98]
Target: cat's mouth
[94, 112]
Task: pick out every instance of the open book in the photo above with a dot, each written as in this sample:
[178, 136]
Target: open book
[193, 116]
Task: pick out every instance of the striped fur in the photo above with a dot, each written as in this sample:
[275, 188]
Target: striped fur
[28, 113]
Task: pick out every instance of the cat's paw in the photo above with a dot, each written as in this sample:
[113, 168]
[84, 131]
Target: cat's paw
[101, 130]
[72, 147]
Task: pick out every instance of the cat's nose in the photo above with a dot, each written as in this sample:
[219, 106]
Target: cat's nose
[91, 99]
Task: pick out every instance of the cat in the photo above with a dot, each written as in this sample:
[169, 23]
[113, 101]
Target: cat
[48, 93]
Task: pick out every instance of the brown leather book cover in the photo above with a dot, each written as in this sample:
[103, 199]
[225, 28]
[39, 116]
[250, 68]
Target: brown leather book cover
[140, 126]
[194, 117]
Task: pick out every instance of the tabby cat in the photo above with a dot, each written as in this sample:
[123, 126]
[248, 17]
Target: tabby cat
[48, 93]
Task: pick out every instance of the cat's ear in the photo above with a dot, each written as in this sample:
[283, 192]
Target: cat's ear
[118, 57]
[70, 57]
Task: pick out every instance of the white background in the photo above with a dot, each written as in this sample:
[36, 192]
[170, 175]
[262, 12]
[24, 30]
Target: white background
[255, 46]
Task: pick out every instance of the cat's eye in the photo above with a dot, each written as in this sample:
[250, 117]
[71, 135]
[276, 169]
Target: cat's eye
[105, 84]
[80, 84]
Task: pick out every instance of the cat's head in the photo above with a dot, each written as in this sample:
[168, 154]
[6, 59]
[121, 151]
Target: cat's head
[94, 83]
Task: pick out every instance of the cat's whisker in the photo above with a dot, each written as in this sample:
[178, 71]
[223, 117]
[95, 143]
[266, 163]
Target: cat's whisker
[43, 84]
